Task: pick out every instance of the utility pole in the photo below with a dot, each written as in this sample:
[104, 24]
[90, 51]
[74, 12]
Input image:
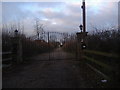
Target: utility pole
[84, 34]
[81, 36]
[83, 27]
[84, 16]
[119, 16]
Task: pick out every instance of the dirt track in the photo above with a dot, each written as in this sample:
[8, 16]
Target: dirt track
[61, 71]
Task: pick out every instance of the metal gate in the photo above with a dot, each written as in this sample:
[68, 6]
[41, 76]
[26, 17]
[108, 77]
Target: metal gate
[64, 46]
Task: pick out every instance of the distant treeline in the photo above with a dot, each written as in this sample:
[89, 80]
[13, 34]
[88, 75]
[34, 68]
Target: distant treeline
[34, 47]
[106, 41]
[70, 46]
[29, 47]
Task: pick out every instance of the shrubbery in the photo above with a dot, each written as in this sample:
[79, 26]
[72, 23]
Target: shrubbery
[106, 41]
[29, 47]
[70, 46]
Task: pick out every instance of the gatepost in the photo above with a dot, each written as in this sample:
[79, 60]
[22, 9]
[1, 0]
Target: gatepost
[17, 48]
[81, 44]
[81, 36]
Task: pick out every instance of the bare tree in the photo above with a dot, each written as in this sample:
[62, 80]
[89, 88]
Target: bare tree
[53, 38]
[39, 29]
[65, 37]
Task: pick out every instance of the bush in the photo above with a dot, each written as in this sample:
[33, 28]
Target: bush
[106, 41]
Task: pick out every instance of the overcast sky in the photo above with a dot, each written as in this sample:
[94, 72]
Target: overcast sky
[60, 16]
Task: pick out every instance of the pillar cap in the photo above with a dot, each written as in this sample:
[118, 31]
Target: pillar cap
[16, 30]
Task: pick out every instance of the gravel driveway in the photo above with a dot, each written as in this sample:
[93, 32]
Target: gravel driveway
[60, 71]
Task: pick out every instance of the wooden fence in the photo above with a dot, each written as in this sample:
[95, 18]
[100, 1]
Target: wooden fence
[104, 63]
[21, 48]
[6, 59]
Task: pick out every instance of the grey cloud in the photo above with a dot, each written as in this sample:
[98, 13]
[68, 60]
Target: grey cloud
[50, 4]
[67, 19]
[11, 11]
[107, 15]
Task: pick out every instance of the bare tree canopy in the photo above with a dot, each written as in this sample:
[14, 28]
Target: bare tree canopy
[39, 29]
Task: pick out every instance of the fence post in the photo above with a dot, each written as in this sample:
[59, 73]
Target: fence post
[17, 48]
[79, 49]
[49, 43]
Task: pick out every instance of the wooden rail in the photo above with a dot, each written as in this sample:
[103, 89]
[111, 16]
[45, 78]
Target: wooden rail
[101, 53]
[7, 59]
[95, 61]
[98, 63]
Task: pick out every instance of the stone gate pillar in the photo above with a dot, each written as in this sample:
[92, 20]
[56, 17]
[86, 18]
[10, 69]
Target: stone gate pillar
[81, 44]
[17, 48]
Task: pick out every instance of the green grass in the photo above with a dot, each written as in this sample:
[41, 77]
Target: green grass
[99, 63]
[101, 53]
